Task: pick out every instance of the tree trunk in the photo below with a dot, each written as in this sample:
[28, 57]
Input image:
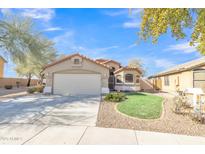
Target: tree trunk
[41, 78]
[29, 80]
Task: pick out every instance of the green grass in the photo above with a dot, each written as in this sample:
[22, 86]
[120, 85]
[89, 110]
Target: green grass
[141, 105]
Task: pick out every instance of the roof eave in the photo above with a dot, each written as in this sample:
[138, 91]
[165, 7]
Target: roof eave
[73, 55]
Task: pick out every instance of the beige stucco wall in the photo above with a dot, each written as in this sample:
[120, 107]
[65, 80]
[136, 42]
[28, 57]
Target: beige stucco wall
[86, 67]
[185, 81]
[123, 73]
[146, 85]
[12, 81]
[172, 85]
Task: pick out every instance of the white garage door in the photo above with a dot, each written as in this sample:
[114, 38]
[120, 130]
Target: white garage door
[75, 84]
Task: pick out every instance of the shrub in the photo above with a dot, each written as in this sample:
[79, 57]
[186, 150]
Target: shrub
[31, 90]
[38, 89]
[8, 86]
[115, 97]
[179, 103]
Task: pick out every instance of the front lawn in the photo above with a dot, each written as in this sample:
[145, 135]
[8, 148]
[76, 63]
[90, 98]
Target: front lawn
[141, 105]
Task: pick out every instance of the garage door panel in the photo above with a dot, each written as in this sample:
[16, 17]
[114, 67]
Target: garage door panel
[74, 84]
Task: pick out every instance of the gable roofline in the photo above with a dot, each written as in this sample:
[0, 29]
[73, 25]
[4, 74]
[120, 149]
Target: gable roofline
[128, 68]
[111, 61]
[3, 59]
[73, 55]
[101, 60]
[182, 67]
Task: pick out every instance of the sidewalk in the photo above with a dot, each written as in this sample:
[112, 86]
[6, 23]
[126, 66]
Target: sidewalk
[9, 92]
[61, 134]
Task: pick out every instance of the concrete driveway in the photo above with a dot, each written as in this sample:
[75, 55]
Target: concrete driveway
[50, 110]
[39, 119]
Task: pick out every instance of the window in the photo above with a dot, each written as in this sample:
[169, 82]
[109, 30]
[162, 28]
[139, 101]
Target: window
[76, 61]
[129, 78]
[119, 79]
[166, 80]
[199, 79]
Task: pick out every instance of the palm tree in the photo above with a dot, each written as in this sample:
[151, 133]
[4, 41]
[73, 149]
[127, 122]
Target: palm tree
[18, 38]
[27, 48]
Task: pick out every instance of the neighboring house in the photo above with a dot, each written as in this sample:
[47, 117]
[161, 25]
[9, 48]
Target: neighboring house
[187, 75]
[2, 61]
[78, 74]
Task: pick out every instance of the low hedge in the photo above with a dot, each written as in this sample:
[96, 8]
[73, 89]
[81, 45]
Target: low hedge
[115, 97]
[31, 90]
[38, 89]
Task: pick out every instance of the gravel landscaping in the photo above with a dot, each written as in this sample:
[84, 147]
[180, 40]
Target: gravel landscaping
[169, 122]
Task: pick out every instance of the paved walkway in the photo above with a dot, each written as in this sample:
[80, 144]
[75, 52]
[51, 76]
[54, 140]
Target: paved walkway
[62, 134]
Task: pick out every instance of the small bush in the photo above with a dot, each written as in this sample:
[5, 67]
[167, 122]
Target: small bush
[31, 90]
[8, 86]
[38, 89]
[179, 103]
[115, 97]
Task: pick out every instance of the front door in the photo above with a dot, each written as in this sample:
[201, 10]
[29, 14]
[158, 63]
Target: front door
[111, 82]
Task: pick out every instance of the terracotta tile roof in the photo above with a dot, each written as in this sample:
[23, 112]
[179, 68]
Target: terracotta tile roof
[111, 61]
[183, 67]
[128, 68]
[101, 60]
[105, 61]
[70, 56]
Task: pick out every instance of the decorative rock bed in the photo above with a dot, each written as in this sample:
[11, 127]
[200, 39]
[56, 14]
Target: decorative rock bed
[169, 123]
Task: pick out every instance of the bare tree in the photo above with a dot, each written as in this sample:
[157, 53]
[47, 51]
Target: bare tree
[137, 63]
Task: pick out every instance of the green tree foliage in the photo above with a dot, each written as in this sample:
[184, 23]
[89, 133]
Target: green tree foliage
[32, 66]
[28, 49]
[156, 22]
[18, 38]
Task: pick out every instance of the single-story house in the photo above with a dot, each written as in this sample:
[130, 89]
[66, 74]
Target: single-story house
[77, 74]
[180, 77]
